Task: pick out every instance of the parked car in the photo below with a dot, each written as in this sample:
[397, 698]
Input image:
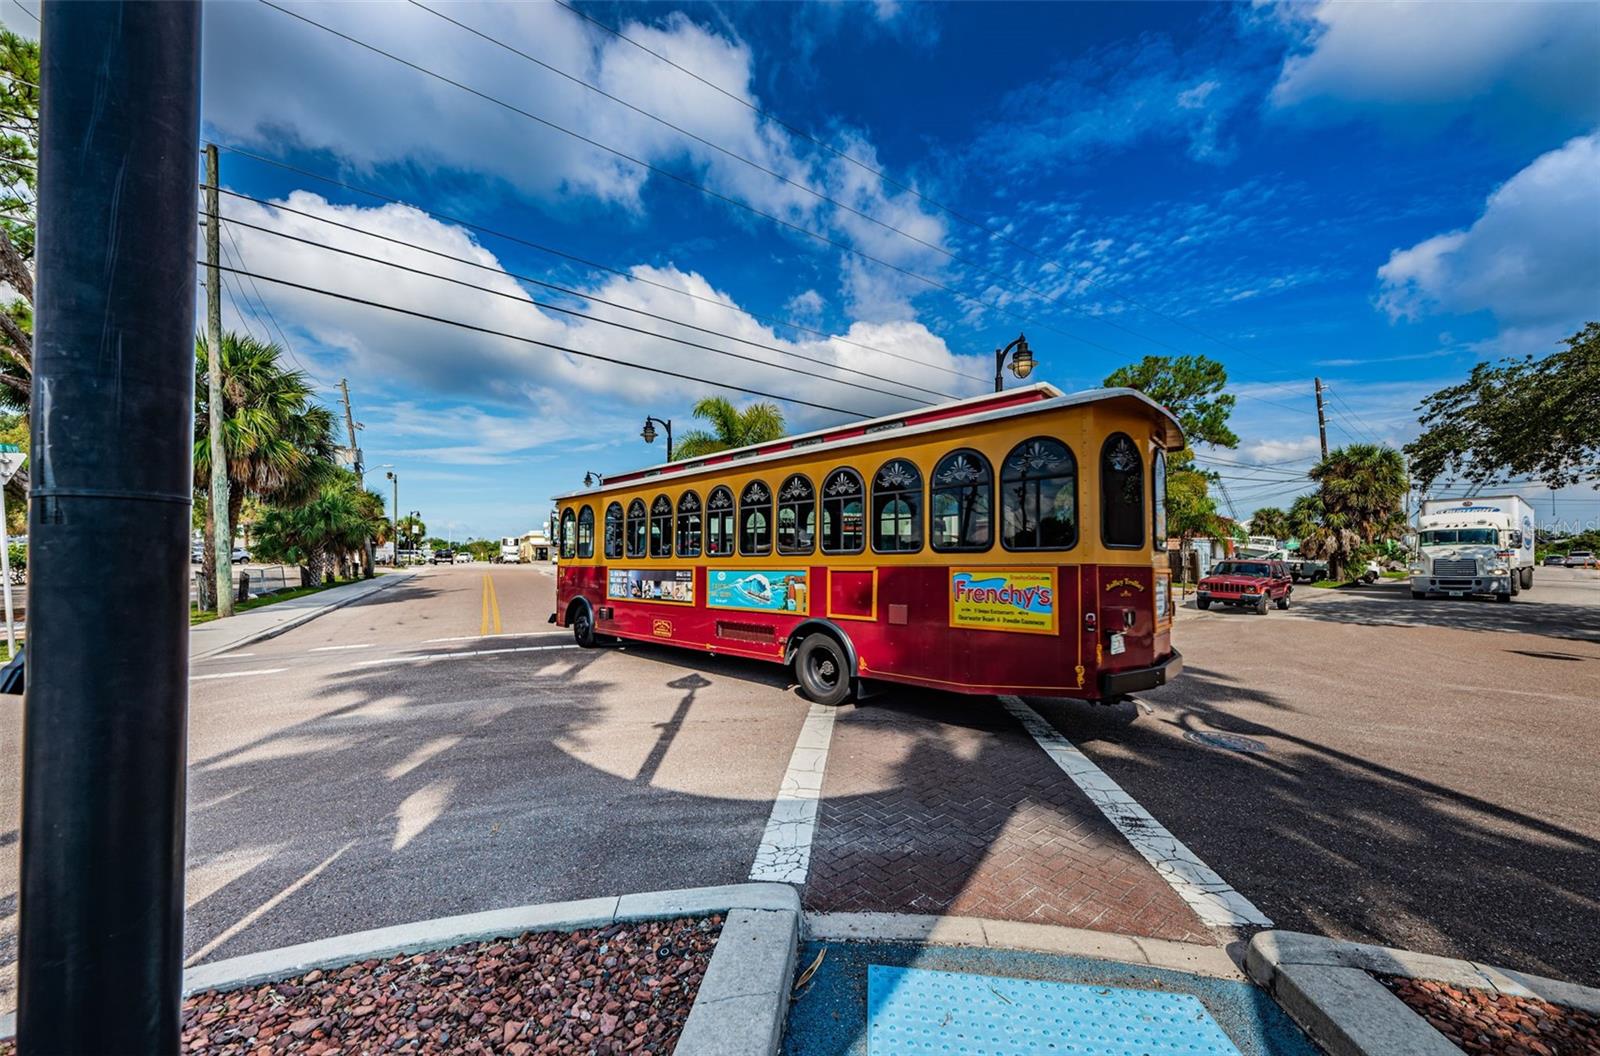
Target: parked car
[240, 554]
[1580, 559]
[442, 557]
[1306, 569]
[1252, 584]
[463, 558]
[1556, 560]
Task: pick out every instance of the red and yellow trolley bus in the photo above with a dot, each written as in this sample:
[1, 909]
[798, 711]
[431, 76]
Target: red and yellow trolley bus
[1008, 543]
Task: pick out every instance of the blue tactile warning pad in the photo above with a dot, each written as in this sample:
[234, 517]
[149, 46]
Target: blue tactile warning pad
[916, 1012]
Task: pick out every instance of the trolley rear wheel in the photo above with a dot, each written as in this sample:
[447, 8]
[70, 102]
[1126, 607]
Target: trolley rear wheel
[823, 670]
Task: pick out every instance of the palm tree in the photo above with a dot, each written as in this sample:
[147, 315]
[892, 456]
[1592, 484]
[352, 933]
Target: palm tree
[730, 427]
[1362, 491]
[278, 442]
[1269, 520]
[320, 534]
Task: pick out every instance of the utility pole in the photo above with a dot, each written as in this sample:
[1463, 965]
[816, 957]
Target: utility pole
[1322, 421]
[221, 530]
[355, 462]
[100, 918]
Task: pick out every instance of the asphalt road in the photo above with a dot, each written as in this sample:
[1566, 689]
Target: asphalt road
[1426, 775]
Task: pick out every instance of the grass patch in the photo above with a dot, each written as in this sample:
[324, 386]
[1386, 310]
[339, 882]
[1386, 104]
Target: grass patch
[196, 618]
[1327, 584]
[1397, 575]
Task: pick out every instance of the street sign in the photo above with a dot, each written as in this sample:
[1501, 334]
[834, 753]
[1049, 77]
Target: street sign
[11, 459]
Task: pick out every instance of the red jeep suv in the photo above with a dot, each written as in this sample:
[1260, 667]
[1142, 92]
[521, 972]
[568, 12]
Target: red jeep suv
[1249, 583]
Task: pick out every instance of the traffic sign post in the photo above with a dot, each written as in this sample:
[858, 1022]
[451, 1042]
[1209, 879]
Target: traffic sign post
[11, 459]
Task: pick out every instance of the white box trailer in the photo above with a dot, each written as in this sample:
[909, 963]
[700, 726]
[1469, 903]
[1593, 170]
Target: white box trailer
[510, 550]
[1482, 545]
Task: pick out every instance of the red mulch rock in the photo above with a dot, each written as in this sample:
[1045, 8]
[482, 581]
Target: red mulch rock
[1483, 1023]
[626, 988]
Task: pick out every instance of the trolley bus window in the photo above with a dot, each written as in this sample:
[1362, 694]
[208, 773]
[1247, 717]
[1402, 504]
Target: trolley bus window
[1039, 496]
[569, 534]
[897, 507]
[797, 516]
[1158, 498]
[689, 525]
[719, 523]
[755, 519]
[614, 530]
[586, 533]
[841, 513]
[636, 528]
[959, 502]
[661, 527]
[1121, 492]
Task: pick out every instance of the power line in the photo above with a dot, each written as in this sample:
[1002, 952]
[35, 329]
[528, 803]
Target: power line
[1048, 298]
[272, 319]
[525, 300]
[540, 247]
[684, 181]
[1354, 418]
[550, 345]
[558, 288]
[30, 14]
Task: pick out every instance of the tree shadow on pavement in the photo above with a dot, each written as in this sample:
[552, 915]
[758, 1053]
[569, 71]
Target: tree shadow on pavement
[1524, 615]
[1325, 841]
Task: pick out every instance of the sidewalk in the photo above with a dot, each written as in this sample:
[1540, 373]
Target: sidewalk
[269, 621]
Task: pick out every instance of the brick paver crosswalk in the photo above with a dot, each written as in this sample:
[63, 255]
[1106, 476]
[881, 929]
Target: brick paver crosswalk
[944, 805]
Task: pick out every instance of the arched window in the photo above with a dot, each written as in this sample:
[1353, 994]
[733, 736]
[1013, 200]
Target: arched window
[797, 516]
[897, 507]
[1121, 492]
[719, 523]
[960, 501]
[586, 533]
[661, 527]
[755, 519]
[636, 528]
[842, 520]
[1158, 496]
[689, 525]
[1039, 496]
[569, 534]
[614, 530]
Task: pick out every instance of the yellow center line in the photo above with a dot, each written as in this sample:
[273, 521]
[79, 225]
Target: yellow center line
[483, 627]
[494, 602]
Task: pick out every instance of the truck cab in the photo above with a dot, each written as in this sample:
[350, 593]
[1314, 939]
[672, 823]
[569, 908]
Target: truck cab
[1474, 547]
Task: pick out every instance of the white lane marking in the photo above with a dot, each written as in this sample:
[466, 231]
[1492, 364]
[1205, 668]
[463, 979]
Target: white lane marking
[233, 656]
[1212, 899]
[785, 852]
[335, 648]
[422, 658]
[239, 674]
[266, 907]
[480, 637]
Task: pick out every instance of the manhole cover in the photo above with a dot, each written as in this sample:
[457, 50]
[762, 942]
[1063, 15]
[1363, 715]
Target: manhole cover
[1230, 741]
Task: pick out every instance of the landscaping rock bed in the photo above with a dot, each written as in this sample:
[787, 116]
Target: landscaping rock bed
[626, 988]
[1483, 1023]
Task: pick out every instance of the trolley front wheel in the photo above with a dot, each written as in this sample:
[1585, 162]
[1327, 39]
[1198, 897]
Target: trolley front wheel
[823, 670]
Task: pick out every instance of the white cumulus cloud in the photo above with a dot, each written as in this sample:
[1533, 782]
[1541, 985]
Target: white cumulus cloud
[1532, 258]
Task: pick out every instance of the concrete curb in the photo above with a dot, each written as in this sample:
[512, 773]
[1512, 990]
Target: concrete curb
[381, 583]
[1326, 985]
[745, 991]
[1189, 957]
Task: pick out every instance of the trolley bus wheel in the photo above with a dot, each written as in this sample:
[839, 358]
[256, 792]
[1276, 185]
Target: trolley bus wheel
[583, 628]
[823, 670]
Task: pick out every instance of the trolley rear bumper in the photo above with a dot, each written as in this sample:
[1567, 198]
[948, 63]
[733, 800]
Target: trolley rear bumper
[1119, 683]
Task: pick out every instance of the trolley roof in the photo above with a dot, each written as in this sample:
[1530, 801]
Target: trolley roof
[1038, 398]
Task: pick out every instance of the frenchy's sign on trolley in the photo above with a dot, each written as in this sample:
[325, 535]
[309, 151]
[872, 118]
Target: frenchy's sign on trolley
[998, 599]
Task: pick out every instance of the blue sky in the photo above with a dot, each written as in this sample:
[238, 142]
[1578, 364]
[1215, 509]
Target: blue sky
[1379, 194]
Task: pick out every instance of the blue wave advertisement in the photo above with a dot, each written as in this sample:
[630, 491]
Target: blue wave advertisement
[758, 589]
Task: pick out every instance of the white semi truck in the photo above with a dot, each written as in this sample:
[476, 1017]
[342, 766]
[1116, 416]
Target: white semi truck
[1482, 545]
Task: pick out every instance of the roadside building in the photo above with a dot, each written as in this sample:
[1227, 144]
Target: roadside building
[534, 546]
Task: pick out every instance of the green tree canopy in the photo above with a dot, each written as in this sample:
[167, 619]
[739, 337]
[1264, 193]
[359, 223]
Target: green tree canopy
[1361, 490]
[19, 158]
[1270, 520]
[730, 427]
[334, 522]
[1188, 386]
[1516, 418]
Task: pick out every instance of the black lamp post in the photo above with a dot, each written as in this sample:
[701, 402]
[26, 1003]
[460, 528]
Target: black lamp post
[592, 478]
[649, 432]
[1021, 361]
